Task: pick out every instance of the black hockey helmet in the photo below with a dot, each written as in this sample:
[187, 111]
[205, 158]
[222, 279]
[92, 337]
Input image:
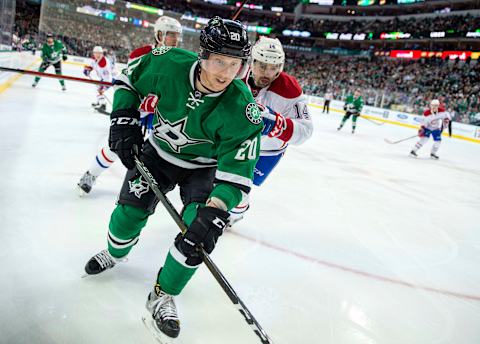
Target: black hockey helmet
[49, 35]
[224, 37]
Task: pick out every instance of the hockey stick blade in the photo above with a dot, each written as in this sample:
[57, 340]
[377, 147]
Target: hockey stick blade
[395, 142]
[215, 271]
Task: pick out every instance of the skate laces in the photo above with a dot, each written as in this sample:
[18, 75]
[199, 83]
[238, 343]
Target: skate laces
[87, 178]
[105, 259]
[165, 306]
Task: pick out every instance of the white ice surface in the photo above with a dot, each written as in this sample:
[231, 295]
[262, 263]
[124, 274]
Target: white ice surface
[349, 240]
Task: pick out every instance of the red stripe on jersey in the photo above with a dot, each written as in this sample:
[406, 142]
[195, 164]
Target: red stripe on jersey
[102, 62]
[429, 111]
[140, 51]
[286, 86]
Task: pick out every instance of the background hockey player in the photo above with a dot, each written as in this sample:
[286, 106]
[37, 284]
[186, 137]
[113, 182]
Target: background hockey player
[168, 32]
[433, 122]
[104, 70]
[205, 138]
[285, 112]
[353, 106]
[53, 52]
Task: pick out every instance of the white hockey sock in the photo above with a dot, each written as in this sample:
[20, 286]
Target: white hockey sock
[103, 160]
[420, 144]
[101, 99]
[436, 146]
[236, 214]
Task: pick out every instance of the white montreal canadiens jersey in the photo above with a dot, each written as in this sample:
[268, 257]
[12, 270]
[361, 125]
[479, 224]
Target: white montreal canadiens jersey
[285, 96]
[102, 68]
[433, 120]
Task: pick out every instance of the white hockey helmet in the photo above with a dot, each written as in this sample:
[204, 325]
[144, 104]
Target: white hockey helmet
[435, 102]
[98, 49]
[166, 24]
[268, 50]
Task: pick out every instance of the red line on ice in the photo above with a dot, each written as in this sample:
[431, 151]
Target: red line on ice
[358, 272]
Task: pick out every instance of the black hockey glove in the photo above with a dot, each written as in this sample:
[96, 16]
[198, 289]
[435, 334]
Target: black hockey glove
[126, 138]
[205, 231]
[64, 57]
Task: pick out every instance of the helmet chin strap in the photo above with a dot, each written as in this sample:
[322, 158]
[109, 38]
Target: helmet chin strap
[197, 72]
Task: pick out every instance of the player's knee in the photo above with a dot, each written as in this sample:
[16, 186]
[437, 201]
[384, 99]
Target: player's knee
[127, 221]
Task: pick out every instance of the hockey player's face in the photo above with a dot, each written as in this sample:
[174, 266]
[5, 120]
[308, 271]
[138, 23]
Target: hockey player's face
[265, 73]
[49, 41]
[97, 56]
[172, 39]
[219, 71]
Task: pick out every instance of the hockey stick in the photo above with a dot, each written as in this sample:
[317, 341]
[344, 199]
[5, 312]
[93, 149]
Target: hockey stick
[240, 8]
[372, 121]
[405, 139]
[227, 288]
[55, 76]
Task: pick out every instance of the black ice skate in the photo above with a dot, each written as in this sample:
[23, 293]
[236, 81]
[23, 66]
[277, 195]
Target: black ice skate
[434, 156]
[35, 83]
[161, 318]
[64, 88]
[102, 108]
[86, 183]
[413, 154]
[101, 262]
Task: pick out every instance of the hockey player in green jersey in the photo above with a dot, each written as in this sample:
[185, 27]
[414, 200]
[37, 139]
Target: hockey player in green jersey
[353, 106]
[53, 52]
[205, 139]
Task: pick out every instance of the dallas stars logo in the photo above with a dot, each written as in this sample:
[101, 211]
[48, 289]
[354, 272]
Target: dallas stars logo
[138, 187]
[174, 133]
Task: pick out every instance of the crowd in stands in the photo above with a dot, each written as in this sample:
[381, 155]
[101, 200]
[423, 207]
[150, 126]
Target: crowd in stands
[403, 85]
[27, 17]
[420, 26]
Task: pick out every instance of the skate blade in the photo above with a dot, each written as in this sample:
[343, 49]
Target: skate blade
[81, 192]
[159, 336]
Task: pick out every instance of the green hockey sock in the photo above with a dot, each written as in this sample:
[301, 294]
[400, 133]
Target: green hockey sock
[125, 226]
[354, 122]
[175, 273]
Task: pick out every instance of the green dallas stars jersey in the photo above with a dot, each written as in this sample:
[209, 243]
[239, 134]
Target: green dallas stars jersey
[53, 53]
[354, 104]
[193, 130]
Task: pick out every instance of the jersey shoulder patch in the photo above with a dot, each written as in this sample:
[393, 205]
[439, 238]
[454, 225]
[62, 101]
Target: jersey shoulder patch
[286, 86]
[140, 51]
[253, 114]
